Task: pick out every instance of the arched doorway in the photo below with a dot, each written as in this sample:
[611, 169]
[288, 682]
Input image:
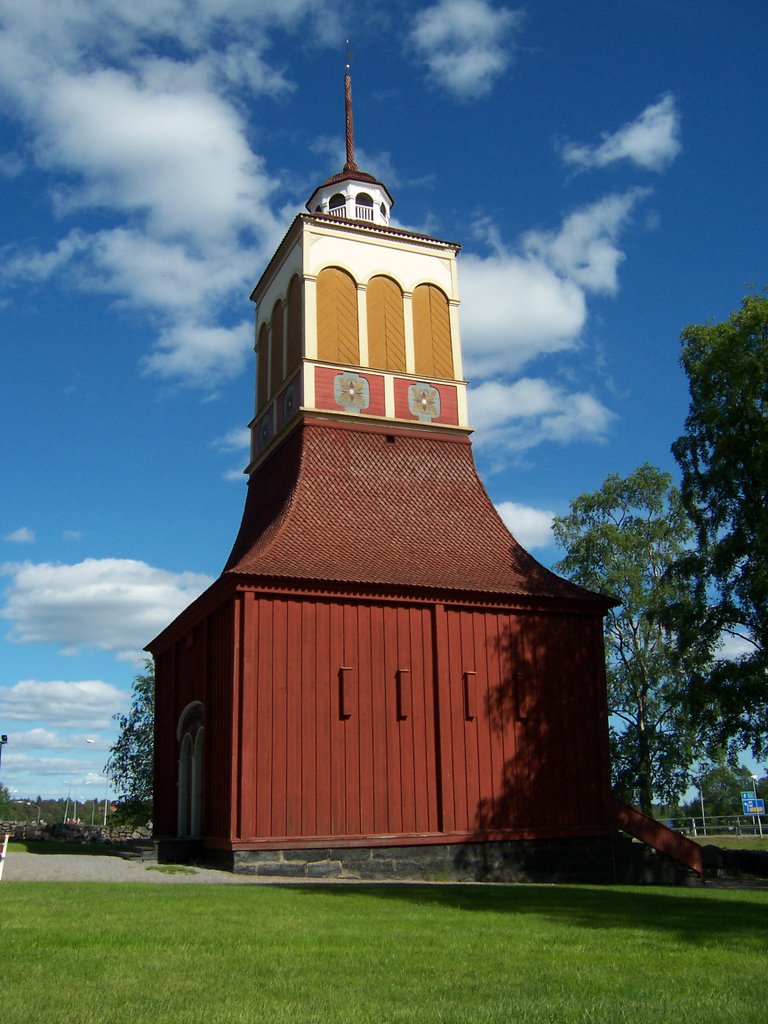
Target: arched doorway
[191, 737]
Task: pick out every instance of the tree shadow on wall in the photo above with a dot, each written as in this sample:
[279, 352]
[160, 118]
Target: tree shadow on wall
[532, 715]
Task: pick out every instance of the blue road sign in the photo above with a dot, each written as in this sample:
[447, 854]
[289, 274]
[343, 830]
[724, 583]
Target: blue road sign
[751, 805]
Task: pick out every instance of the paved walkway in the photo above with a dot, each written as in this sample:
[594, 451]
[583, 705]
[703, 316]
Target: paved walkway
[65, 867]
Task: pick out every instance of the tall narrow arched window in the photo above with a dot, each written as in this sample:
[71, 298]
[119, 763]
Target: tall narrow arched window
[191, 737]
[386, 327]
[432, 332]
[338, 339]
[276, 361]
[262, 367]
[295, 319]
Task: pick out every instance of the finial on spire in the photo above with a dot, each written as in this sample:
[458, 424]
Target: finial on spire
[350, 165]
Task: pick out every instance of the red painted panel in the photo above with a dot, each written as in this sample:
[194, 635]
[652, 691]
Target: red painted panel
[339, 725]
[325, 377]
[449, 403]
[352, 733]
[262, 781]
[366, 762]
[404, 717]
[279, 695]
[308, 710]
[446, 752]
[293, 721]
[327, 716]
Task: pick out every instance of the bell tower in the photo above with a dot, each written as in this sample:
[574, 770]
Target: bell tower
[381, 681]
[356, 318]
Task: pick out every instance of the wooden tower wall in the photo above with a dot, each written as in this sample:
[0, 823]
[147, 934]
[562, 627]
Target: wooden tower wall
[357, 719]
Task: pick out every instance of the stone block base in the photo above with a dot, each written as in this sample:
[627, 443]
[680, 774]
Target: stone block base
[552, 860]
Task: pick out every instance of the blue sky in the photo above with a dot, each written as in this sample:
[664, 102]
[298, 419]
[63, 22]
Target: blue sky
[603, 165]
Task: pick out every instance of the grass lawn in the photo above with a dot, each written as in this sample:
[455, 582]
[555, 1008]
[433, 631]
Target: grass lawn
[50, 847]
[733, 842]
[334, 954]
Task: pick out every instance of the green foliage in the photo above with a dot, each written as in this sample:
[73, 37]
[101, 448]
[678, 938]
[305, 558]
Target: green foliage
[5, 802]
[621, 541]
[723, 455]
[130, 764]
[721, 785]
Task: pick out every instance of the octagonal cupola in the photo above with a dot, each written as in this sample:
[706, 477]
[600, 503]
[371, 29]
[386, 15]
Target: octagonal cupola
[352, 194]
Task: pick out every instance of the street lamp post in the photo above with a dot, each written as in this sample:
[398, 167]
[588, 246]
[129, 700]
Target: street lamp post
[3, 741]
[758, 816]
[701, 801]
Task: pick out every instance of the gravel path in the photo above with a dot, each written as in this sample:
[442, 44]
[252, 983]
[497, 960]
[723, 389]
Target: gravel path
[65, 867]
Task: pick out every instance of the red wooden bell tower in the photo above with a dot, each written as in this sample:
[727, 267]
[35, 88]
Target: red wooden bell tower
[382, 681]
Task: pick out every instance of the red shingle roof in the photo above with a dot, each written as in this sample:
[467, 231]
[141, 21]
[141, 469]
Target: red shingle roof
[355, 504]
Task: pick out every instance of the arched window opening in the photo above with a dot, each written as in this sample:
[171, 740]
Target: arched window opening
[276, 361]
[363, 206]
[295, 319]
[337, 205]
[338, 339]
[432, 332]
[191, 737]
[262, 367]
[386, 325]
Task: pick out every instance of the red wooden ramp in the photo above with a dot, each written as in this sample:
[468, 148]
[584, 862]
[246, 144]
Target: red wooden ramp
[651, 832]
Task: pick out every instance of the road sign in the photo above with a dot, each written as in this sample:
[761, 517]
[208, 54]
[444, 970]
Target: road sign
[751, 805]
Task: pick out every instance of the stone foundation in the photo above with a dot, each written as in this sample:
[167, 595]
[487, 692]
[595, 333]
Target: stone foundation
[554, 860]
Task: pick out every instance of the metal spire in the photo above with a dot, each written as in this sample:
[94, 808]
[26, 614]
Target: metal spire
[350, 165]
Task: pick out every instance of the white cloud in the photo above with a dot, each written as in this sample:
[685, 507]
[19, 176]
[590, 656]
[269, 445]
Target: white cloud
[466, 44]
[518, 416]
[151, 146]
[236, 440]
[514, 308]
[732, 648]
[158, 143]
[89, 704]
[531, 527]
[584, 250]
[522, 304]
[112, 604]
[200, 354]
[651, 141]
[21, 536]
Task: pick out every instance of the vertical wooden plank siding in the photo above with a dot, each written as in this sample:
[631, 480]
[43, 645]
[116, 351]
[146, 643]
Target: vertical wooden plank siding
[327, 707]
[445, 754]
[432, 332]
[282, 762]
[295, 321]
[262, 780]
[386, 325]
[277, 354]
[351, 729]
[339, 725]
[338, 338]
[262, 367]
[308, 712]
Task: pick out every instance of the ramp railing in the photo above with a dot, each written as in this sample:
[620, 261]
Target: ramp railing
[658, 836]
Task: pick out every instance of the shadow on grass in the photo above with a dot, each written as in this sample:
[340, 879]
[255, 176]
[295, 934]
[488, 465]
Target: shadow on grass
[54, 847]
[690, 914]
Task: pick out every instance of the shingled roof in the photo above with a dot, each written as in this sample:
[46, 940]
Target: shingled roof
[360, 505]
